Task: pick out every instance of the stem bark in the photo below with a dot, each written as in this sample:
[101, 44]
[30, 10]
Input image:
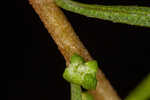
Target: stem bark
[68, 43]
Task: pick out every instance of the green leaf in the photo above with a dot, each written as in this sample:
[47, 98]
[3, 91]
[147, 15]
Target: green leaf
[133, 15]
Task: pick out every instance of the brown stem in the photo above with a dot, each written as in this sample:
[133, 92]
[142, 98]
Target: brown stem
[69, 43]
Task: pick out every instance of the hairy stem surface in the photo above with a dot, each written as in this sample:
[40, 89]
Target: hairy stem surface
[69, 43]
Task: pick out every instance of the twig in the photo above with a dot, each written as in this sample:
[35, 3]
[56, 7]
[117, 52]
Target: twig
[69, 43]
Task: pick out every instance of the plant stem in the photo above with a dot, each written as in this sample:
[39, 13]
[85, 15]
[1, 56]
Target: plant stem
[69, 43]
[75, 92]
[142, 91]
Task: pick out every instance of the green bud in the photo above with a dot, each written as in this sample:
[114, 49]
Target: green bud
[71, 75]
[87, 96]
[76, 59]
[93, 65]
[89, 82]
[81, 73]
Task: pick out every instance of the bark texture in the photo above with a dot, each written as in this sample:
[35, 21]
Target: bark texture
[68, 43]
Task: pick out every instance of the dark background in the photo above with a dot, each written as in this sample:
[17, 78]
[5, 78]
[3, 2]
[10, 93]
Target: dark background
[121, 50]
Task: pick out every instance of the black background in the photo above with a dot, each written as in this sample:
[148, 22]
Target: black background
[121, 50]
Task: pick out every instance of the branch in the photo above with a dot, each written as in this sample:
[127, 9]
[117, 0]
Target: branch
[68, 43]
